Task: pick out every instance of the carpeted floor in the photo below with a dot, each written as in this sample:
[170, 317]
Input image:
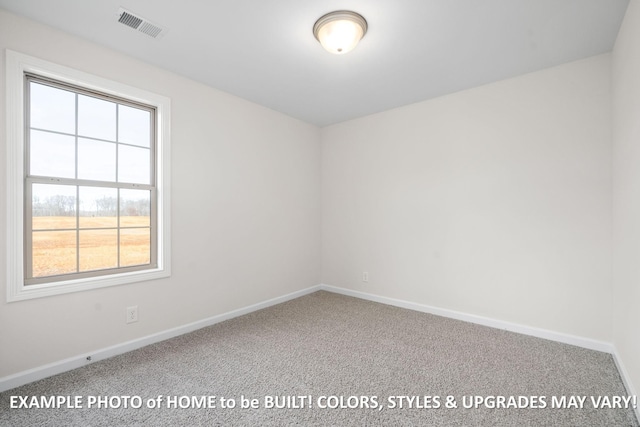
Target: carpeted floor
[343, 361]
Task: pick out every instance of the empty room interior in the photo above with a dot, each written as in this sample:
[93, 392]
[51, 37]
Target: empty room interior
[464, 180]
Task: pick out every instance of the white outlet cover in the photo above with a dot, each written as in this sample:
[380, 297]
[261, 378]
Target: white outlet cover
[132, 314]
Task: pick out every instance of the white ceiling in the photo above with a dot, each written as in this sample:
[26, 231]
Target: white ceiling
[264, 50]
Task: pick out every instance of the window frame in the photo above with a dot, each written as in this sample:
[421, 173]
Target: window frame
[18, 65]
[76, 181]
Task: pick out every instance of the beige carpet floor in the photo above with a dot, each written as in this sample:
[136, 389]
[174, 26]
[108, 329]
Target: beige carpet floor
[336, 360]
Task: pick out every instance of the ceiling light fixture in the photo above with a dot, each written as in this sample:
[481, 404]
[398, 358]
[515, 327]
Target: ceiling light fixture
[340, 31]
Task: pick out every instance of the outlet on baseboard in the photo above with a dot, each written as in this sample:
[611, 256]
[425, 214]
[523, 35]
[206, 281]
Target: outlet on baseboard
[365, 276]
[132, 314]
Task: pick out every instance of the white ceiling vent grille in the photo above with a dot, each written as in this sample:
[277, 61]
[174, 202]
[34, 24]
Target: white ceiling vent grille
[141, 24]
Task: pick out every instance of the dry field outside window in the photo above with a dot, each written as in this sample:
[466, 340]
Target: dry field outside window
[54, 250]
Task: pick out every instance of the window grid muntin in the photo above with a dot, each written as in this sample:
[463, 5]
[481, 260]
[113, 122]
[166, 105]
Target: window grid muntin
[84, 91]
[77, 183]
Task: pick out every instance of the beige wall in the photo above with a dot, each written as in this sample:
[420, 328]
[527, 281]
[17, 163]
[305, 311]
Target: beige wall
[494, 201]
[626, 194]
[245, 212]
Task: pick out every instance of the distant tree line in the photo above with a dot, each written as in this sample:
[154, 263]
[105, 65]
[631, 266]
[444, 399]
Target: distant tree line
[57, 205]
[60, 205]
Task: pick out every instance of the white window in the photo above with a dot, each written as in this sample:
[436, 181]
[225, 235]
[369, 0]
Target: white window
[88, 181]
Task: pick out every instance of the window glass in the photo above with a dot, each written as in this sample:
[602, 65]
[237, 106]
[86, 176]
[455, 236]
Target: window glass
[133, 126]
[52, 109]
[53, 206]
[53, 253]
[134, 164]
[96, 160]
[96, 214]
[135, 247]
[52, 154]
[135, 208]
[96, 118]
[98, 207]
[98, 249]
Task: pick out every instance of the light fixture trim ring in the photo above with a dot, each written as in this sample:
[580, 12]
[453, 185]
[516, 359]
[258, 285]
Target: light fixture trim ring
[337, 16]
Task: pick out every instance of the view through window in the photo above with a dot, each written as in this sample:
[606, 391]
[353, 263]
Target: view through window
[90, 195]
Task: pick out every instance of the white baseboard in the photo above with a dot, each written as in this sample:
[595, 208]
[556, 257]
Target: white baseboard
[71, 363]
[587, 343]
[485, 321]
[631, 391]
[25, 377]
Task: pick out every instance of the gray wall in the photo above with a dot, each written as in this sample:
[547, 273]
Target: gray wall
[626, 194]
[494, 201]
[245, 212]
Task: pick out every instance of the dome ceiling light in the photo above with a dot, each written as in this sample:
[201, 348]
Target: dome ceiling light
[340, 31]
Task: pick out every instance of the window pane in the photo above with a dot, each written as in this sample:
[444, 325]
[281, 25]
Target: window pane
[133, 164]
[96, 160]
[53, 253]
[96, 118]
[52, 108]
[52, 155]
[135, 208]
[98, 249]
[135, 246]
[98, 207]
[134, 126]
[90, 166]
[53, 206]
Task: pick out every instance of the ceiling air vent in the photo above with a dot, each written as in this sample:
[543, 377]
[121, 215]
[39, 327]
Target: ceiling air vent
[140, 24]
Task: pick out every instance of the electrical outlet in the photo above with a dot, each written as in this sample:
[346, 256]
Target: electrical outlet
[365, 276]
[132, 314]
